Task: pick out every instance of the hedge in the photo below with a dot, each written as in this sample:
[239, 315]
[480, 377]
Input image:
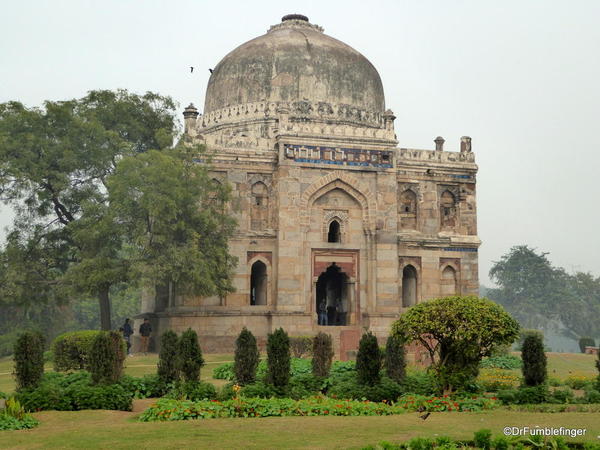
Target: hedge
[71, 350]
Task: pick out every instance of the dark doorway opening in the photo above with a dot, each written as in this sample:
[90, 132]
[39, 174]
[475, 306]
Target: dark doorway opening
[334, 234]
[258, 284]
[333, 303]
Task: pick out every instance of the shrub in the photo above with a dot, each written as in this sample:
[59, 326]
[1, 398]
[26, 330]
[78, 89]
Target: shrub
[561, 396]
[586, 342]
[167, 358]
[507, 362]
[71, 350]
[322, 350]
[246, 357]
[146, 386]
[192, 390]
[421, 383]
[395, 358]
[386, 389]
[14, 417]
[189, 357]
[278, 358]
[534, 360]
[305, 385]
[298, 366]
[301, 346]
[492, 380]
[368, 360]
[533, 394]
[598, 367]
[29, 359]
[592, 396]
[74, 392]
[106, 357]
[483, 439]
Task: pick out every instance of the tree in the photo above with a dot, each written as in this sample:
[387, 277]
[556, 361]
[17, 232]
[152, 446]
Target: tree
[189, 356]
[368, 360]
[586, 341]
[322, 351]
[278, 358]
[534, 360]
[534, 292]
[395, 358]
[457, 332]
[246, 357]
[55, 162]
[175, 220]
[29, 359]
[168, 371]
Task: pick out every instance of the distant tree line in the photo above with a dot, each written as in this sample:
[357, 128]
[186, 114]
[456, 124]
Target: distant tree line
[534, 291]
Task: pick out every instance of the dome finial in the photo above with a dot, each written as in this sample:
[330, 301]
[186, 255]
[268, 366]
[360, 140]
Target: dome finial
[294, 17]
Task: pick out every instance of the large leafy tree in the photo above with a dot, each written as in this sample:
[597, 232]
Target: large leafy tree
[533, 291]
[457, 332]
[176, 220]
[54, 165]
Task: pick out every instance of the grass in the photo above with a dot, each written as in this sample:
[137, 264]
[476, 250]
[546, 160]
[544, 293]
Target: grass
[113, 429]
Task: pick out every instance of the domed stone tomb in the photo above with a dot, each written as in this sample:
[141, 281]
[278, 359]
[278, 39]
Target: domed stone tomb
[339, 228]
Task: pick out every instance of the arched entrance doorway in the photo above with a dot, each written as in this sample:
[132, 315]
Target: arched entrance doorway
[333, 300]
[258, 284]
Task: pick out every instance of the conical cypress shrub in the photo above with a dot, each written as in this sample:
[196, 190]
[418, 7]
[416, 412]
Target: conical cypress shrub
[534, 360]
[167, 357]
[368, 360]
[322, 355]
[106, 357]
[189, 357]
[246, 357]
[395, 358]
[29, 359]
[278, 358]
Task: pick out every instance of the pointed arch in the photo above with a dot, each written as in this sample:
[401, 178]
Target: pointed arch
[349, 184]
[448, 282]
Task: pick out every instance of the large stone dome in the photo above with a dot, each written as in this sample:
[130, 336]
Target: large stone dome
[296, 62]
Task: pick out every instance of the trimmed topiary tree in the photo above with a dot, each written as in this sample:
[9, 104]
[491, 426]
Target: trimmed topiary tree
[457, 332]
[322, 350]
[534, 360]
[278, 358]
[598, 367]
[168, 371]
[368, 360]
[189, 358]
[106, 357]
[29, 359]
[395, 358]
[246, 357]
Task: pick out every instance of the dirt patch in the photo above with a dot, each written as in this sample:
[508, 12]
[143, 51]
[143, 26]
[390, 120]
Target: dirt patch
[139, 405]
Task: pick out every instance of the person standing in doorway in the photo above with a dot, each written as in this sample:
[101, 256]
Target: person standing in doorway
[145, 330]
[322, 313]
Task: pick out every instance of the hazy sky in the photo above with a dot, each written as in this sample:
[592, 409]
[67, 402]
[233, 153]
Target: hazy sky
[522, 78]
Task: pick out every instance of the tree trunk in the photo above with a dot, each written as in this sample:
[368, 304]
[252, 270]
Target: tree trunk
[104, 301]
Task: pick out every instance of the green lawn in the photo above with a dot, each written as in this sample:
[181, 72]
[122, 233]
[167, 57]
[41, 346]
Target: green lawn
[114, 429]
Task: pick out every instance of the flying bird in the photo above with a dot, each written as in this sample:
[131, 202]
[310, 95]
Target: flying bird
[191, 69]
[210, 70]
[425, 416]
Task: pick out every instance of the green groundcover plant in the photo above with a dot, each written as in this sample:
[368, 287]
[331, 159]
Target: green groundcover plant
[14, 417]
[298, 366]
[170, 409]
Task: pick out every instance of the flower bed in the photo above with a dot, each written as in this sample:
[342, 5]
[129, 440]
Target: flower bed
[169, 410]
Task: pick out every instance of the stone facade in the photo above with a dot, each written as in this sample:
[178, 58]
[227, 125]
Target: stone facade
[332, 213]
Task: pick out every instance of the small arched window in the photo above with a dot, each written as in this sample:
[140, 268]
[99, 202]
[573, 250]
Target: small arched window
[259, 211]
[334, 234]
[408, 210]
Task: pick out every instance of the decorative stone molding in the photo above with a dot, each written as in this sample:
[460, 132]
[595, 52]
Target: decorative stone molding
[435, 156]
[347, 182]
[335, 214]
